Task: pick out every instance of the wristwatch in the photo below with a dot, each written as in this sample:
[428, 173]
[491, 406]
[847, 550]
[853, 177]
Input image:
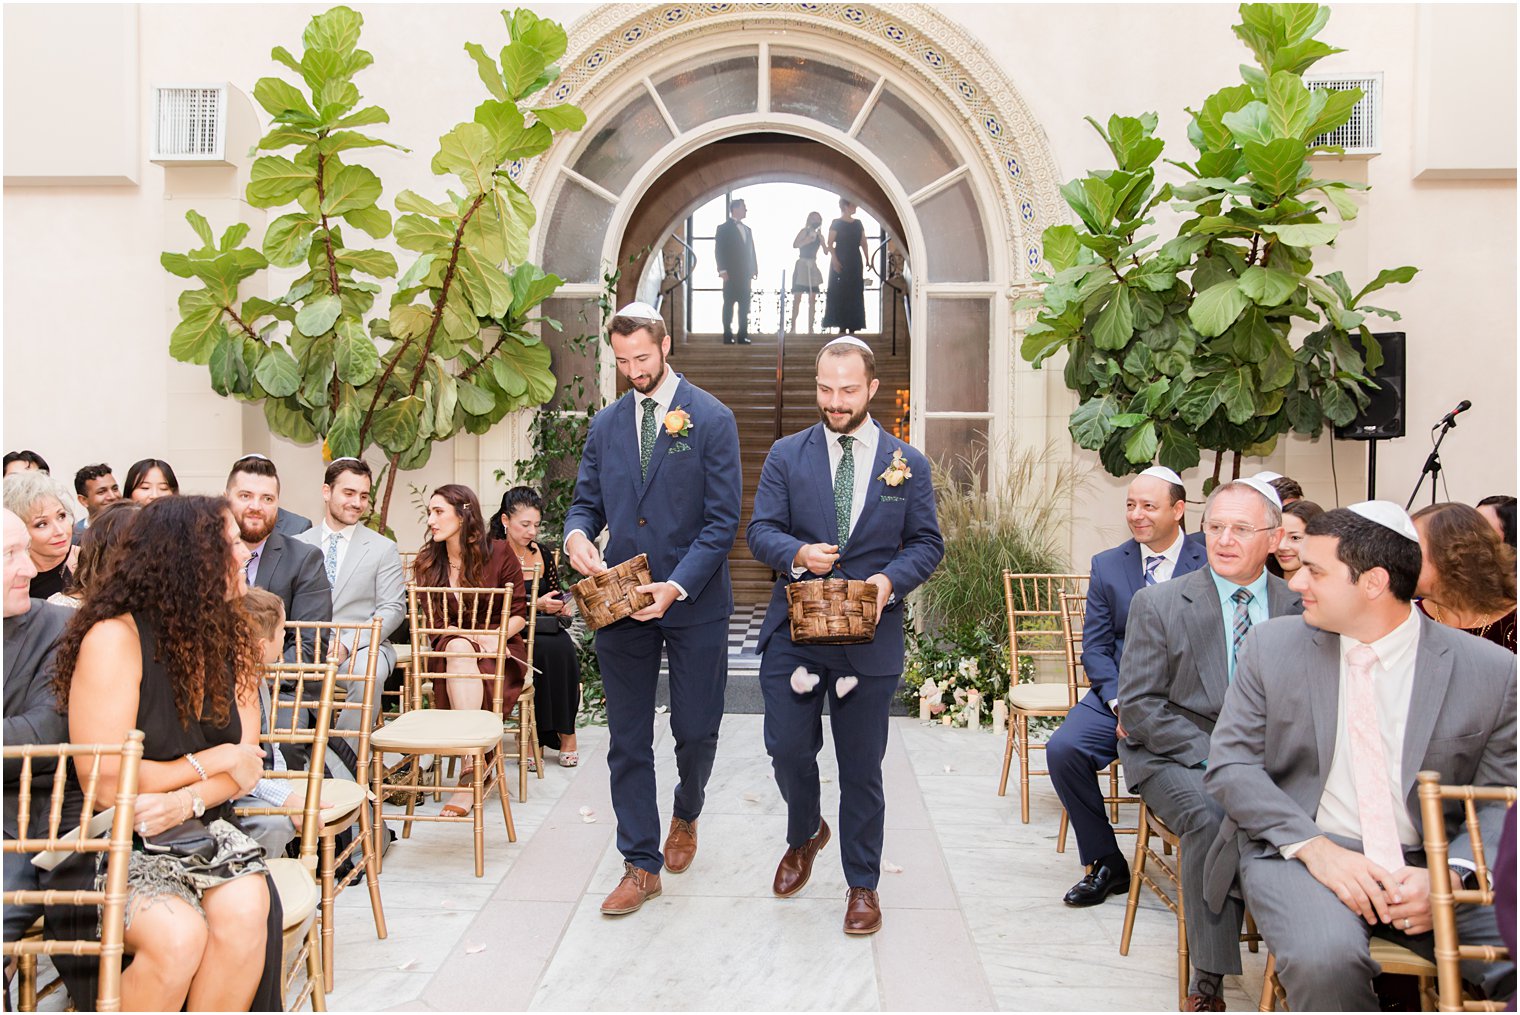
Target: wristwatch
[197, 805]
[1466, 876]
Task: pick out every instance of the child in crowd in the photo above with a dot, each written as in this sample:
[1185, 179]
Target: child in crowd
[272, 831]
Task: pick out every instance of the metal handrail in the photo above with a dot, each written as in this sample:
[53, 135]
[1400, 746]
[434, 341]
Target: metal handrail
[780, 353]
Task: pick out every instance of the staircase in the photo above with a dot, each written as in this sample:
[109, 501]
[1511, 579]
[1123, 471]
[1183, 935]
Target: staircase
[743, 377]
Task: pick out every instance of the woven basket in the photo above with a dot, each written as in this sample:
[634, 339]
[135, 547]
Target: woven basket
[609, 597]
[832, 611]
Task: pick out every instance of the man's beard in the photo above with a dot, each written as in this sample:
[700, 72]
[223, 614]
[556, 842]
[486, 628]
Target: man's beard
[251, 535]
[850, 424]
[655, 381]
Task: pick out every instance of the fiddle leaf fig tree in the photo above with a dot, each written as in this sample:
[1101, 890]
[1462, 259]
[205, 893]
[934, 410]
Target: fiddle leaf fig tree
[1223, 337]
[456, 350]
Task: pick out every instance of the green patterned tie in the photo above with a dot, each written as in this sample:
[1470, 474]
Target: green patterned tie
[844, 488]
[647, 435]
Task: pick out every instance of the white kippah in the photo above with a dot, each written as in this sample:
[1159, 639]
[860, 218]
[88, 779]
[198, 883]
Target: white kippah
[1389, 515]
[1268, 477]
[254, 454]
[849, 340]
[345, 458]
[1264, 488]
[640, 312]
[1162, 472]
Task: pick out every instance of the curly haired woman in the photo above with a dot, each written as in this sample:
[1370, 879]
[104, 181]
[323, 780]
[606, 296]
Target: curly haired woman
[162, 644]
[1468, 577]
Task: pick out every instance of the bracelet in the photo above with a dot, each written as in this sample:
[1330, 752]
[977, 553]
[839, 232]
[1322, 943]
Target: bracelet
[197, 766]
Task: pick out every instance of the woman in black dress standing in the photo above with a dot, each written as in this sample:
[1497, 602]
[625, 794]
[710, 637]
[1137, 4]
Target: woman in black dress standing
[846, 305]
[557, 683]
[162, 644]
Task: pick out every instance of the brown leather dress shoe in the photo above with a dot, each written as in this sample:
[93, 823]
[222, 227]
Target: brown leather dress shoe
[680, 845]
[637, 887]
[1203, 1002]
[862, 912]
[796, 865]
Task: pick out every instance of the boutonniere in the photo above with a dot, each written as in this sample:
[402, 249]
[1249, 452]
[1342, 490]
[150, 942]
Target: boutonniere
[678, 422]
[897, 472]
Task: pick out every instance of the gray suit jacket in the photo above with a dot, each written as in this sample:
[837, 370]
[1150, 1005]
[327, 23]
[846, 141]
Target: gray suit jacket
[293, 571]
[288, 523]
[31, 709]
[1272, 748]
[370, 583]
[1174, 671]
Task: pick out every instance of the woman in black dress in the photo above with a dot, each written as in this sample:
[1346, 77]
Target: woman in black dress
[846, 305]
[162, 644]
[557, 682]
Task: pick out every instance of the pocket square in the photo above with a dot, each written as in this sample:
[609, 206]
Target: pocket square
[887, 498]
[678, 447]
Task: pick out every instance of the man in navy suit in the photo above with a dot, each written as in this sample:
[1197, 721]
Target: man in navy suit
[661, 473]
[842, 498]
[1087, 742]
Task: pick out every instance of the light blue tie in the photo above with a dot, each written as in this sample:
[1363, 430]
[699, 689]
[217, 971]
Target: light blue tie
[1152, 565]
[332, 559]
[1242, 599]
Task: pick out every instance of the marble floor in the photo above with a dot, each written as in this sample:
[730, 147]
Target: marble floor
[971, 899]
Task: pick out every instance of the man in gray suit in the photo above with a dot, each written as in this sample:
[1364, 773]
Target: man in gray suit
[364, 569]
[1315, 756]
[1179, 659]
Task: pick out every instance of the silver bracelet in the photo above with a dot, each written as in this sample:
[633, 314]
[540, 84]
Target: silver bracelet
[197, 766]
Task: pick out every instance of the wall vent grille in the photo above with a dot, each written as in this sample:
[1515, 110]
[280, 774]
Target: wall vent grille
[190, 124]
[1362, 134]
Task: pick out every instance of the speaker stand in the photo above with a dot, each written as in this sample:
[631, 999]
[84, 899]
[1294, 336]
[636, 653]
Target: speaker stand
[1372, 469]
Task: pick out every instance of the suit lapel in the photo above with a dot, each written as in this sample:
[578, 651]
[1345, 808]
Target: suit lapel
[269, 559]
[624, 423]
[1432, 674]
[1280, 598]
[1205, 625]
[1134, 567]
[1325, 687]
[1193, 558]
[358, 547]
[815, 468]
[874, 487]
[663, 440]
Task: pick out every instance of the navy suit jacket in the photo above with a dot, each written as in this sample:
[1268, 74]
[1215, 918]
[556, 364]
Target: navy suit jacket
[897, 534]
[1116, 576]
[684, 515]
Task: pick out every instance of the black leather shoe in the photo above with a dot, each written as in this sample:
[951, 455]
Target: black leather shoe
[1103, 879]
[745, 341]
[728, 340]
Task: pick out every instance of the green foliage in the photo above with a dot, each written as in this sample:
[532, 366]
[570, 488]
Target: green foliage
[1190, 346]
[456, 350]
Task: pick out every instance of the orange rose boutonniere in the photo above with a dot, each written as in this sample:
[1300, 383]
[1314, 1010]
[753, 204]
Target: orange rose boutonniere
[897, 472]
[678, 422]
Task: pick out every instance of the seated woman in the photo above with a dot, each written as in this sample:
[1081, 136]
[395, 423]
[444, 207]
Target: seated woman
[1285, 562]
[161, 644]
[458, 555]
[95, 548]
[149, 480]
[1468, 577]
[557, 679]
[34, 498]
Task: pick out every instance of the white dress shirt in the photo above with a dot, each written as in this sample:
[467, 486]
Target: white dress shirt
[345, 539]
[1169, 558]
[1392, 687]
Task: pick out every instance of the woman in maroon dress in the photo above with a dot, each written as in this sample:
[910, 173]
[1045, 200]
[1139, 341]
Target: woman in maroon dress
[458, 555]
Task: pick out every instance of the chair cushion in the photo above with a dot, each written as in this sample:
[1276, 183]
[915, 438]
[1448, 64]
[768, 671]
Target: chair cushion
[343, 798]
[403, 653]
[1043, 697]
[441, 728]
[298, 891]
[1395, 958]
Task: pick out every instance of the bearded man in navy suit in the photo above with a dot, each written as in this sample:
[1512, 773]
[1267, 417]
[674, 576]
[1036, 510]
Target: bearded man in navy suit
[842, 498]
[661, 473]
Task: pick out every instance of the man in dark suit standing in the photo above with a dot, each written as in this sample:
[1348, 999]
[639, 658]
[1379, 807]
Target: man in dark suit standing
[737, 267]
[842, 498]
[1087, 741]
[1179, 659]
[661, 473]
[282, 564]
[1315, 755]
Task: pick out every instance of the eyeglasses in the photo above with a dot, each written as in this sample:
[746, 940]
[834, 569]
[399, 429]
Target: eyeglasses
[1241, 532]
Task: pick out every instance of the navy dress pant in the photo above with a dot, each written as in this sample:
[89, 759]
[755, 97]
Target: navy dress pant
[1077, 752]
[794, 736]
[629, 655]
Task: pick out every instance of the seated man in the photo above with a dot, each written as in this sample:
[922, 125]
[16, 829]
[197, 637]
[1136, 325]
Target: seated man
[1179, 658]
[1086, 743]
[32, 628]
[1315, 755]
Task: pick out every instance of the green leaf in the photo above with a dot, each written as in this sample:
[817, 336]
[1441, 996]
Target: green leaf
[416, 273]
[363, 118]
[1306, 234]
[410, 321]
[1060, 246]
[531, 285]
[275, 180]
[411, 201]
[1288, 105]
[278, 372]
[466, 151]
[473, 400]
[1116, 323]
[198, 332]
[228, 375]
[1277, 370]
[529, 366]
[288, 239]
[375, 221]
[318, 315]
[561, 117]
[378, 263]
[335, 29]
[281, 98]
[1276, 165]
[349, 188]
[1388, 276]
[1343, 202]
[1253, 336]
[489, 74]
[1216, 308]
[1336, 111]
[511, 136]
[1304, 413]
[488, 288]
[1237, 396]
[1091, 423]
[358, 360]
[343, 140]
[1213, 133]
[1249, 123]
[395, 426]
[201, 226]
[286, 417]
[424, 235]
[1140, 444]
[1338, 406]
[1179, 451]
[1267, 287]
[1337, 281]
[343, 436]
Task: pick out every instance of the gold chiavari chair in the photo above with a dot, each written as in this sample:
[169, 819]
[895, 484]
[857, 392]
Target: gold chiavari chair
[472, 734]
[522, 723]
[294, 690]
[112, 898]
[1450, 951]
[344, 801]
[1033, 606]
[1073, 614]
[1395, 960]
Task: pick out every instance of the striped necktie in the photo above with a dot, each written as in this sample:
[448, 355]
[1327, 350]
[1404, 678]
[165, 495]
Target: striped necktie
[1152, 565]
[1242, 599]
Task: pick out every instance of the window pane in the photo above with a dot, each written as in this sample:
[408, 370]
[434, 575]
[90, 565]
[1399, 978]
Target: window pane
[613, 154]
[958, 341]
[721, 88]
[574, 352]
[807, 86]
[900, 135]
[573, 250]
[957, 245]
[958, 449]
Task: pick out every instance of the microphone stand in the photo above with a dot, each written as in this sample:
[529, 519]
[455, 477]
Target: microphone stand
[1432, 467]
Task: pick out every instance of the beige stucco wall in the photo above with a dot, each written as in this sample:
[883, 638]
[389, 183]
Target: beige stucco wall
[85, 214]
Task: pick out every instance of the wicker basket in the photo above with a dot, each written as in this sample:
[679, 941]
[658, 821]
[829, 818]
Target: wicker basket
[832, 611]
[609, 597]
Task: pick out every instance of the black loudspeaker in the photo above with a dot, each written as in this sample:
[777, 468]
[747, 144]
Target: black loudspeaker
[1383, 418]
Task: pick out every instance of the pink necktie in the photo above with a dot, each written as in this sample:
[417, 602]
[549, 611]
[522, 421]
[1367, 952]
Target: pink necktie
[1369, 762]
